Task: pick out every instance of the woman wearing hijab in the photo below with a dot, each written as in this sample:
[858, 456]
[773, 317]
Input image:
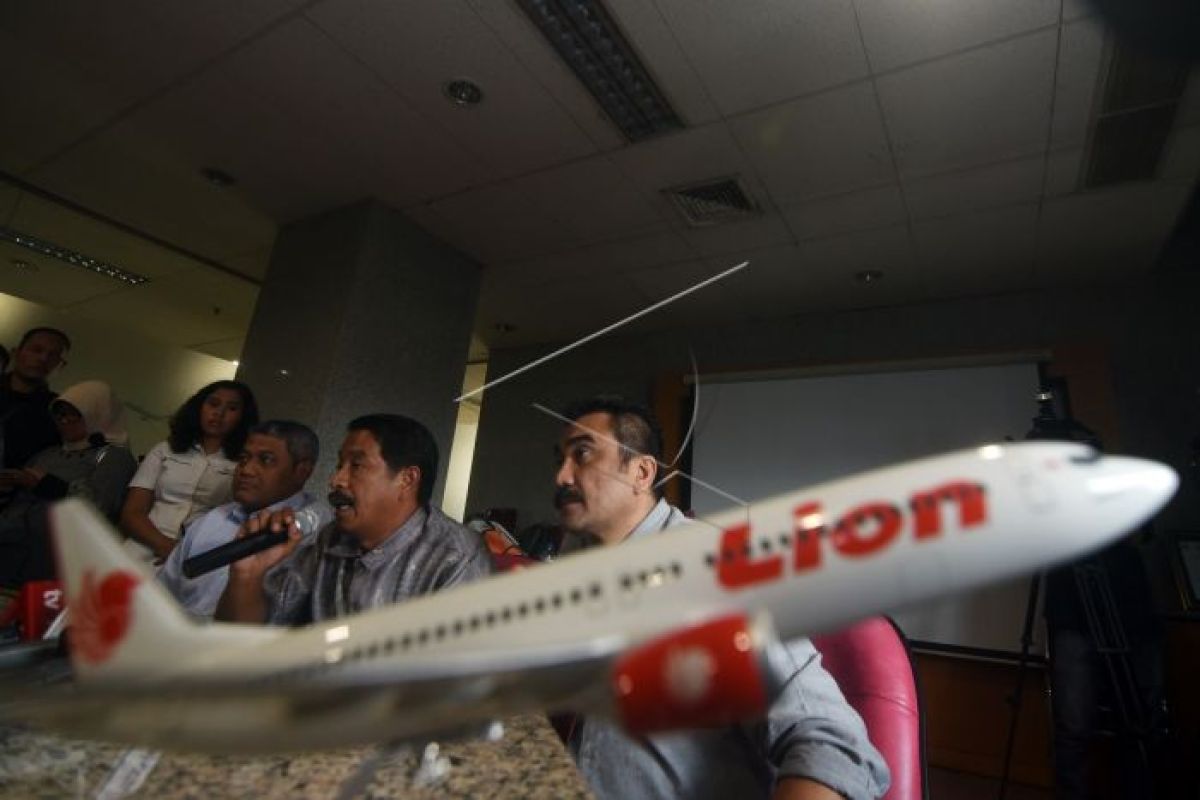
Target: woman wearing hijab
[93, 462]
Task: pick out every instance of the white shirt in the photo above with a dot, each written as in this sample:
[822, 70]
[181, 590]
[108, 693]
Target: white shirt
[185, 485]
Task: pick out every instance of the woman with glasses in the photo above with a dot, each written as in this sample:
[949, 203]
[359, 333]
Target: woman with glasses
[93, 462]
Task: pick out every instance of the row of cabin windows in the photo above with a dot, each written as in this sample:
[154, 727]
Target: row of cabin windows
[631, 580]
[458, 627]
[491, 618]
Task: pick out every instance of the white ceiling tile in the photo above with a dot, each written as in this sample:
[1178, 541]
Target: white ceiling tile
[143, 44]
[824, 144]
[853, 211]
[899, 32]
[127, 175]
[68, 68]
[310, 103]
[591, 197]
[820, 273]
[228, 349]
[777, 283]
[517, 32]
[623, 256]
[883, 249]
[983, 251]
[1064, 171]
[186, 309]
[689, 156]
[720, 303]
[958, 192]
[48, 103]
[499, 223]
[669, 279]
[732, 240]
[754, 54]
[638, 252]
[1181, 161]
[558, 311]
[417, 47]
[987, 105]
[540, 270]
[1076, 92]
[825, 275]
[1106, 234]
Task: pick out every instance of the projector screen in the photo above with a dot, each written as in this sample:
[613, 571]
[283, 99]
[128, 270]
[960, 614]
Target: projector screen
[756, 438]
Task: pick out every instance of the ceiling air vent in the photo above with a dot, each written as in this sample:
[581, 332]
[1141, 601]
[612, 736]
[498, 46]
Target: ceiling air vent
[712, 202]
[1139, 99]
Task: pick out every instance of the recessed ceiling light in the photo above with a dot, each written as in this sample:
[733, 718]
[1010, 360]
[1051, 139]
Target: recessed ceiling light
[868, 276]
[23, 265]
[218, 178]
[463, 92]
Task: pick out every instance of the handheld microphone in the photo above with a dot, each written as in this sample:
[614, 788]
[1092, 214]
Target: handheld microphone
[306, 519]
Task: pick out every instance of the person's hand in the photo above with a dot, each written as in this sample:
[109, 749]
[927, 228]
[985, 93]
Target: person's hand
[163, 550]
[24, 478]
[262, 523]
[8, 479]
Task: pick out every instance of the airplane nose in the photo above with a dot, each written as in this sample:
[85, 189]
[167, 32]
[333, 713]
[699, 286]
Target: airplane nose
[1134, 477]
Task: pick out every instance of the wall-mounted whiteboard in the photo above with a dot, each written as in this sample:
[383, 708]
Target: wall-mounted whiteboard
[756, 438]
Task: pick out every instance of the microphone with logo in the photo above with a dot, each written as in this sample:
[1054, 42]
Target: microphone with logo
[306, 519]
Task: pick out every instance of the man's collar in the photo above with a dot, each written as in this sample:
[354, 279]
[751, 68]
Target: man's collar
[653, 522]
[239, 514]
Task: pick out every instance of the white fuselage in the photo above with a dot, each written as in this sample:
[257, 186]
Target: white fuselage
[814, 560]
[1039, 507]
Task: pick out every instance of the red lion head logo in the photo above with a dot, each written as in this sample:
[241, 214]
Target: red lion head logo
[102, 614]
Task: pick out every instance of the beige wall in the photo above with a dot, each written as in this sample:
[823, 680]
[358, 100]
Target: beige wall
[150, 377]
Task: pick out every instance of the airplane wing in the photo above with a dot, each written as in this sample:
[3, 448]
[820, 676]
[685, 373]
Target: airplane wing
[710, 673]
[449, 698]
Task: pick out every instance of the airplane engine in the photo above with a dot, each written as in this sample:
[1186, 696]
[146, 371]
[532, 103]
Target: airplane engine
[710, 675]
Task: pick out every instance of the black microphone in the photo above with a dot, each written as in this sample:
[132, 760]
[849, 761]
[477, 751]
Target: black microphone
[307, 519]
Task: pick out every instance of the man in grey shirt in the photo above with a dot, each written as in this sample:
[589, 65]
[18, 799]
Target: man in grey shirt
[386, 543]
[811, 745]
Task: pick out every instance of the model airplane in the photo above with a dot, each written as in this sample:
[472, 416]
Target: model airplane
[674, 630]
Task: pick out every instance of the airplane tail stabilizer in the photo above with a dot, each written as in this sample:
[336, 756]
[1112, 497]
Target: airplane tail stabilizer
[122, 622]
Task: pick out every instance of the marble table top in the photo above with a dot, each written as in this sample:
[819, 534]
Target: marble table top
[528, 761]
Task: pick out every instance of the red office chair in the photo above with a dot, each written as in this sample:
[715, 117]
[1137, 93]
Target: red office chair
[871, 663]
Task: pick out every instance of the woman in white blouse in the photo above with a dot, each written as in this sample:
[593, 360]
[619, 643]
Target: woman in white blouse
[191, 472]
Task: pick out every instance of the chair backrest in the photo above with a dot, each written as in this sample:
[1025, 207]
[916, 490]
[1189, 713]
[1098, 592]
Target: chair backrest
[872, 665]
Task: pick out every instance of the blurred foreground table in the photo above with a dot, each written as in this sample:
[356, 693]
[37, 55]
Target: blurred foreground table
[529, 761]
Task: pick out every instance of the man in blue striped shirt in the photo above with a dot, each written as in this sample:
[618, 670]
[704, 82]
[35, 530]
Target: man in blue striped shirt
[277, 459]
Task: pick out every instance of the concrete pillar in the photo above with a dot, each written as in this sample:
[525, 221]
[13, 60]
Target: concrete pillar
[361, 312]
